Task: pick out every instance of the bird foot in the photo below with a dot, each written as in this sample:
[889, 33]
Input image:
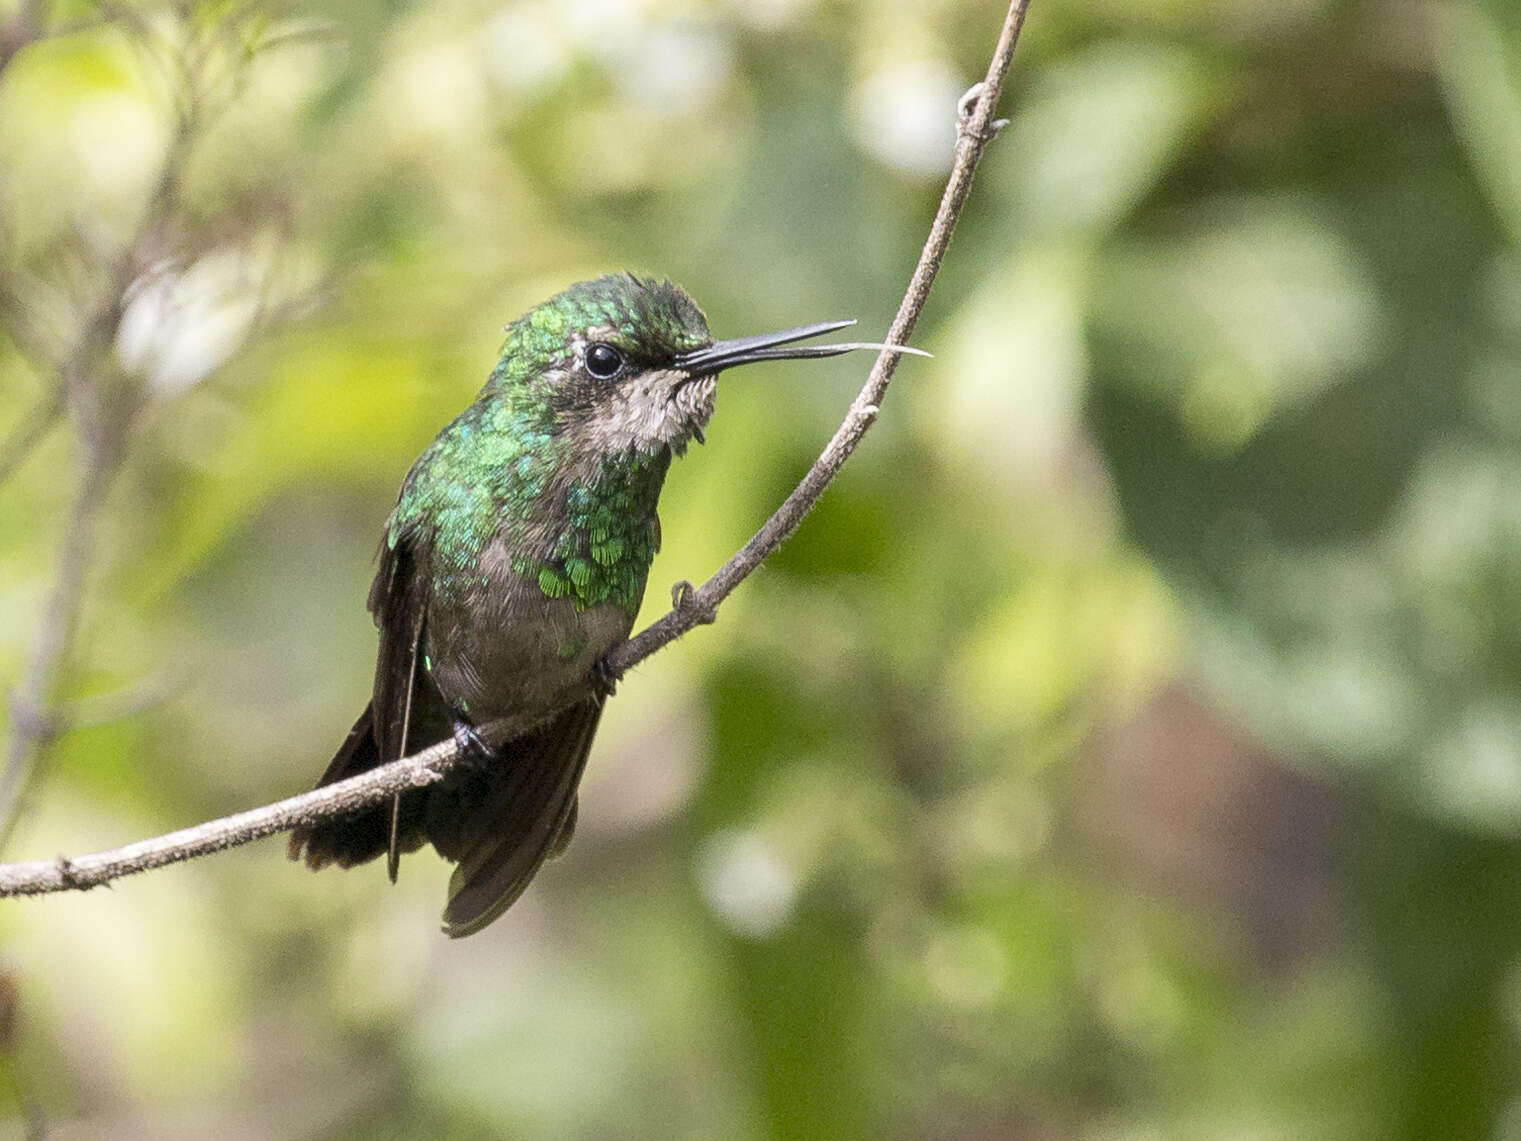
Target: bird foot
[605, 679]
[967, 104]
[473, 750]
[684, 602]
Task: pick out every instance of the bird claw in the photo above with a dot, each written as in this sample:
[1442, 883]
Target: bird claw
[684, 602]
[968, 100]
[967, 104]
[472, 747]
[604, 679]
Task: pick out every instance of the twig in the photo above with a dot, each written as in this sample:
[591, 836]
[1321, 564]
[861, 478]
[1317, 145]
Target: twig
[692, 606]
[105, 419]
[102, 437]
[63, 874]
[31, 705]
[976, 129]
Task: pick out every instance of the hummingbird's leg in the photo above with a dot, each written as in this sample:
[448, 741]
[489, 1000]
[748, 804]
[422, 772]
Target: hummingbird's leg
[684, 601]
[967, 103]
[604, 679]
[471, 745]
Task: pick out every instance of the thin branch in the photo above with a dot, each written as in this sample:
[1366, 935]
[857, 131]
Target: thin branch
[63, 874]
[692, 606]
[104, 414]
[102, 438]
[976, 129]
[31, 705]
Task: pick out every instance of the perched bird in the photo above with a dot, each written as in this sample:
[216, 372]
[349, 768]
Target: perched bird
[515, 558]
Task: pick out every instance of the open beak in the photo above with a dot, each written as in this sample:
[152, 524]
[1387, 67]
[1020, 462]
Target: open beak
[775, 347]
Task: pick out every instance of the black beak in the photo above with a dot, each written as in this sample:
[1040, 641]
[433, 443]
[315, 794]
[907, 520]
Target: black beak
[767, 347]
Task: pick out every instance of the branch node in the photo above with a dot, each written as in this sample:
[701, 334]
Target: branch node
[685, 601]
[68, 876]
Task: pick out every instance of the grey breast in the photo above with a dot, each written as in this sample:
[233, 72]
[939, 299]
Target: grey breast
[509, 650]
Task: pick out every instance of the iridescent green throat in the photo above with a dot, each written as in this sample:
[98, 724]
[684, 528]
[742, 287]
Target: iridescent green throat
[607, 536]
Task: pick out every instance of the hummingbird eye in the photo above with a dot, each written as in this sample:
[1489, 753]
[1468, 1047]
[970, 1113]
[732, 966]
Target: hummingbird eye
[603, 361]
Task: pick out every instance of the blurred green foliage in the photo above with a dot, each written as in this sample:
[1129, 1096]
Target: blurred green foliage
[1128, 748]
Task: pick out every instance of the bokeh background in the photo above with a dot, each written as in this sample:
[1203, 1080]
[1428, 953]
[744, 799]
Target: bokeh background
[1127, 749]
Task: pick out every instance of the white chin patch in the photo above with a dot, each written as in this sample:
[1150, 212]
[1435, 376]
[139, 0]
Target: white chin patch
[646, 415]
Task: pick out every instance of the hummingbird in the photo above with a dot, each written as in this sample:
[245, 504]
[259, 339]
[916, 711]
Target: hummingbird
[515, 558]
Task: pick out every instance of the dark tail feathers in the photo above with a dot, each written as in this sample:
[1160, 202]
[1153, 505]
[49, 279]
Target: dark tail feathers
[359, 836]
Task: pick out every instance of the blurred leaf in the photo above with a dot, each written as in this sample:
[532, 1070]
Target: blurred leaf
[1098, 129]
[1260, 310]
[1480, 67]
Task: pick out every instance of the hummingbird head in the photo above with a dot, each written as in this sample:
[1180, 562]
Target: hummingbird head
[626, 364]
